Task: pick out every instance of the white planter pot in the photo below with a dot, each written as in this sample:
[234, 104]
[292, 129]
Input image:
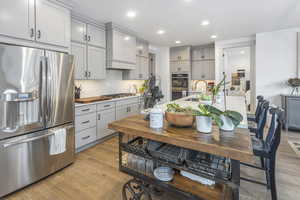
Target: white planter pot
[204, 124]
[227, 124]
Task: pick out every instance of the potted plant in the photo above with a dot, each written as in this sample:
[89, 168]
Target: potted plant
[205, 116]
[216, 89]
[231, 119]
[179, 116]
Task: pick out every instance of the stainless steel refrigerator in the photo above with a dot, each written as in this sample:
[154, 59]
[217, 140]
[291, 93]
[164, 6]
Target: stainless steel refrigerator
[36, 98]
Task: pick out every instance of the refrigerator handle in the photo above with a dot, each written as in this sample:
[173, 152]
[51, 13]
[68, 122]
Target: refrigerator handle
[43, 89]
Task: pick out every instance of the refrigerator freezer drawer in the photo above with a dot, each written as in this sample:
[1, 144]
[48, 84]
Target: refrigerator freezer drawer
[26, 159]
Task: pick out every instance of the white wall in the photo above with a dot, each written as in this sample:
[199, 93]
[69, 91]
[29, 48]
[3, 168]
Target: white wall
[276, 62]
[163, 69]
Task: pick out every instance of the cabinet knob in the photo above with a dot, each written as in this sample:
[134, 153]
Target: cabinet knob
[85, 38]
[99, 116]
[39, 34]
[89, 38]
[32, 32]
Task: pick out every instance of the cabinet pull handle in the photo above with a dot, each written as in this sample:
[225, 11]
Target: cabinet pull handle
[84, 110]
[39, 34]
[85, 38]
[85, 122]
[89, 74]
[86, 137]
[99, 116]
[32, 32]
[106, 106]
[85, 74]
[89, 38]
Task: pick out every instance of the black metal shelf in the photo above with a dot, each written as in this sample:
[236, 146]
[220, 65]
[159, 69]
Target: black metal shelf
[138, 146]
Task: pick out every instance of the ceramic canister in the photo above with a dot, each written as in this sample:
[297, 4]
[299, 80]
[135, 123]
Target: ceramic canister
[156, 118]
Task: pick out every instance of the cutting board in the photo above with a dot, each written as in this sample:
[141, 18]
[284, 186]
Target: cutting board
[92, 99]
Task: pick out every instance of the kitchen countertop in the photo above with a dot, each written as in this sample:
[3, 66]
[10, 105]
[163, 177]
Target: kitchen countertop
[106, 101]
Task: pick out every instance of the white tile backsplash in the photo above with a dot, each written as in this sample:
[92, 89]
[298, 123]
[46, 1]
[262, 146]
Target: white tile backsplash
[112, 84]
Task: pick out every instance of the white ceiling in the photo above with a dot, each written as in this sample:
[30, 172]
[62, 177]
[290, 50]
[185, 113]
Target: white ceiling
[182, 20]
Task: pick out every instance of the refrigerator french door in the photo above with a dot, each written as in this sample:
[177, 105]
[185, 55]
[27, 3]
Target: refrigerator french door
[36, 98]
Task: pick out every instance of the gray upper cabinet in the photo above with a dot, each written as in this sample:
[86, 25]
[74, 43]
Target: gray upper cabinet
[41, 21]
[203, 53]
[141, 72]
[79, 52]
[203, 62]
[203, 70]
[121, 48]
[78, 31]
[180, 66]
[87, 33]
[180, 53]
[20, 23]
[96, 63]
[88, 47]
[96, 36]
[180, 59]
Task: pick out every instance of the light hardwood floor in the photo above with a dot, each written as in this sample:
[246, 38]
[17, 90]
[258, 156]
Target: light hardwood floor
[95, 176]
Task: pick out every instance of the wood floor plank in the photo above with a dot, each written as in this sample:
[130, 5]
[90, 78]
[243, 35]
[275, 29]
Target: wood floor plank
[95, 176]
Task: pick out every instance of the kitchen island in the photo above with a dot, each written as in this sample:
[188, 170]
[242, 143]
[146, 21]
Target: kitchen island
[134, 133]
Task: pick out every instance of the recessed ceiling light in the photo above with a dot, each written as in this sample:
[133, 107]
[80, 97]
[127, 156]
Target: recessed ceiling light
[160, 32]
[177, 41]
[131, 14]
[188, 0]
[205, 23]
[127, 38]
[213, 36]
[242, 52]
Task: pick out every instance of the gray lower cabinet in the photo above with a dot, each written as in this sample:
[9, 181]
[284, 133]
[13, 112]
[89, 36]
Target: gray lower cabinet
[91, 121]
[127, 111]
[291, 104]
[85, 137]
[103, 119]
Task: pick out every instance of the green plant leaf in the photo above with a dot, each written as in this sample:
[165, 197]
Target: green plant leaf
[217, 120]
[236, 117]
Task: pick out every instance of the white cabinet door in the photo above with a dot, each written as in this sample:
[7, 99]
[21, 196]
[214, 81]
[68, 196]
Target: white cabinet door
[96, 63]
[53, 24]
[124, 47]
[122, 112]
[96, 36]
[79, 52]
[103, 119]
[17, 18]
[78, 33]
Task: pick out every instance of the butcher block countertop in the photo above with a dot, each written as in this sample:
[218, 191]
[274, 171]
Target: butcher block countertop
[237, 147]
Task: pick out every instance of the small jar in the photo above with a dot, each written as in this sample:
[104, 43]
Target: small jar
[156, 118]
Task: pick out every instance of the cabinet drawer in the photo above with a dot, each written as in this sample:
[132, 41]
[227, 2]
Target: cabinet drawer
[85, 121]
[85, 137]
[105, 106]
[85, 109]
[127, 101]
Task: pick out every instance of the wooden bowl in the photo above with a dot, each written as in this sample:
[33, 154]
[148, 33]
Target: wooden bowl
[180, 119]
